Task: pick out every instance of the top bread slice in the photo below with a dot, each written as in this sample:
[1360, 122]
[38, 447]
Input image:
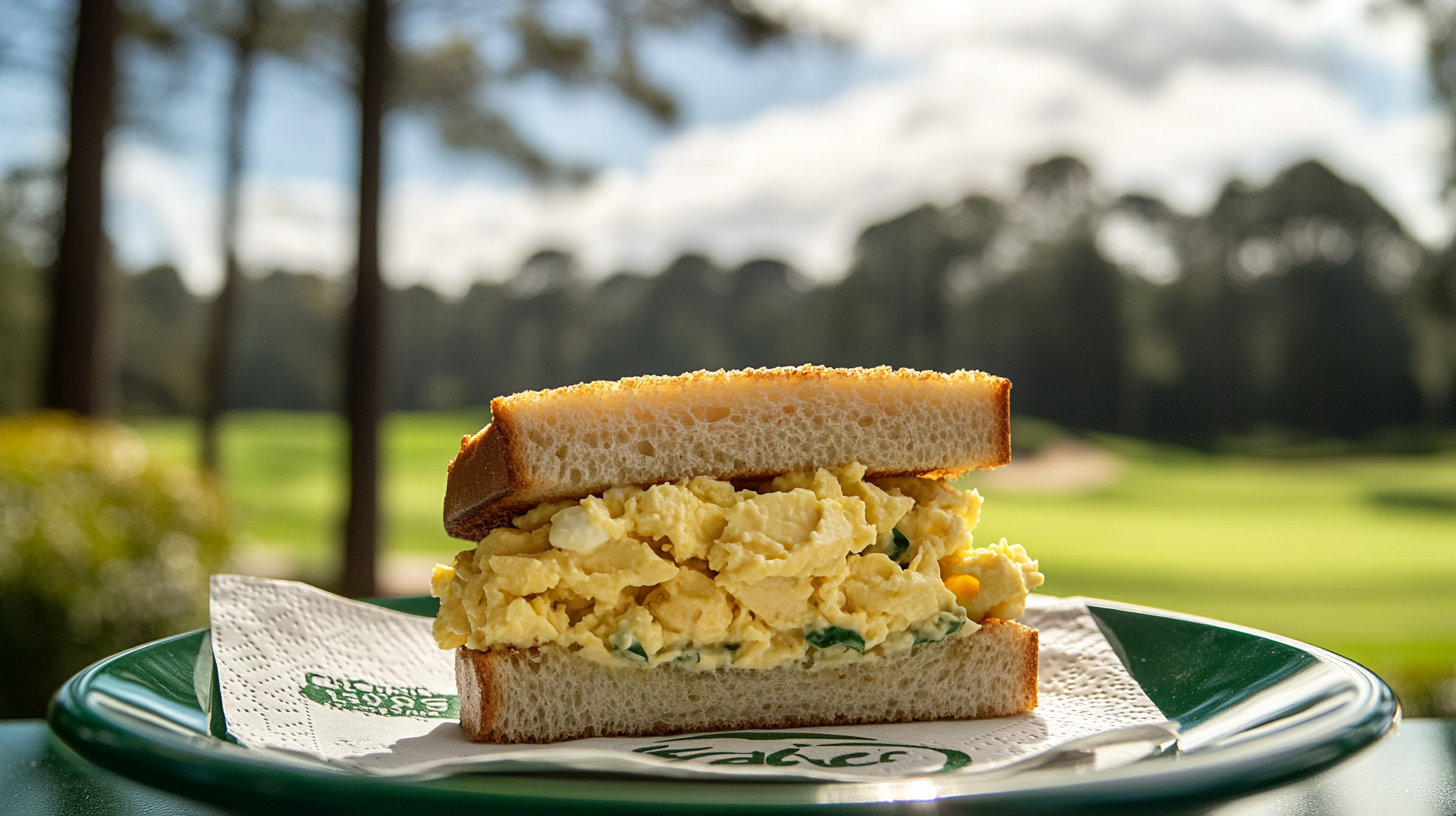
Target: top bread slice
[567, 443]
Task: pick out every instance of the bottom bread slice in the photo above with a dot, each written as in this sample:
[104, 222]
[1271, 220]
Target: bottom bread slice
[548, 694]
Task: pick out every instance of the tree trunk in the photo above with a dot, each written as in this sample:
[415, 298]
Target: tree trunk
[74, 364]
[364, 391]
[219, 331]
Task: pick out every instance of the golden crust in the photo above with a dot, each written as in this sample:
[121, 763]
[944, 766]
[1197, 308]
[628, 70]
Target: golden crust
[786, 375]
[490, 480]
[1030, 641]
[486, 701]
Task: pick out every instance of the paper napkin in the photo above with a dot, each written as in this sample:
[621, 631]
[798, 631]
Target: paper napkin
[314, 675]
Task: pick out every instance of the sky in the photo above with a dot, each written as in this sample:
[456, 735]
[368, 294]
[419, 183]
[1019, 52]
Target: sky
[789, 152]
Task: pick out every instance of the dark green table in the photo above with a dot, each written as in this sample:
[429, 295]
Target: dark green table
[1412, 773]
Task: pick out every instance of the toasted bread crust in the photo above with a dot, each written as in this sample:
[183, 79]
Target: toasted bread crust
[476, 683]
[567, 443]
[990, 673]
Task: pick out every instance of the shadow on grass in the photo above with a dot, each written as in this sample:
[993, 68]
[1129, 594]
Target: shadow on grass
[1423, 501]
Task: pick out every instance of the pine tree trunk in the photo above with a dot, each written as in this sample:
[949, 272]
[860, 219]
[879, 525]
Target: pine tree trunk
[219, 331]
[364, 391]
[75, 367]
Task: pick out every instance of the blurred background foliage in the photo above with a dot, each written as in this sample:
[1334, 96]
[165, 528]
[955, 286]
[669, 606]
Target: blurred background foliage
[23, 301]
[1299, 309]
[102, 547]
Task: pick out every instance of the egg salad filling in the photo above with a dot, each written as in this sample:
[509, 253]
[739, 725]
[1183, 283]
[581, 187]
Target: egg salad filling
[821, 568]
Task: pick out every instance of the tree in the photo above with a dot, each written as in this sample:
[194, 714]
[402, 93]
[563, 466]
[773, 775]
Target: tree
[1141, 235]
[1311, 258]
[74, 364]
[1047, 306]
[363, 374]
[683, 327]
[1434, 337]
[891, 307]
[25, 232]
[76, 369]
[540, 321]
[447, 83]
[249, 29]
[244, 36]
[160, 324]
[774, 317]
[1434, 290]
[288, 343]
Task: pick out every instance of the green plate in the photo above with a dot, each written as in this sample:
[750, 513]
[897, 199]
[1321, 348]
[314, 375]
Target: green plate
[1253, 709]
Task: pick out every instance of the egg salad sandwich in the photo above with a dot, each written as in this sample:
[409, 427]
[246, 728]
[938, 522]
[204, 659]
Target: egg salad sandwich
[733, 549]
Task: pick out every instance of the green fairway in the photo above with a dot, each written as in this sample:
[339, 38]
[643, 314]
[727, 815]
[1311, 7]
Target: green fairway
[286, 473]
[1354, 554]
[1357, 554]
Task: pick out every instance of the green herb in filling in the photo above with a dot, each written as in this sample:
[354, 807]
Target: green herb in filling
[628, 648]
[941, 627]
[836, 636]
[898, 549]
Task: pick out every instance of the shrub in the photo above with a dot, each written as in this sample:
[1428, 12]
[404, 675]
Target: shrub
[101, 548]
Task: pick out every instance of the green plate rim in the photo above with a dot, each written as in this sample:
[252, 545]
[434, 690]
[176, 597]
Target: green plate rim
[118, 726]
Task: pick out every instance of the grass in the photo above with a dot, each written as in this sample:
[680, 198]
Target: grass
[286, 472]
[1353, 553]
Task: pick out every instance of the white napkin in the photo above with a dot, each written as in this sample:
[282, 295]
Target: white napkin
[312, 674]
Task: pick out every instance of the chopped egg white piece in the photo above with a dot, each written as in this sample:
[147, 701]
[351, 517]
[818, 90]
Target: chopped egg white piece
[572, 529]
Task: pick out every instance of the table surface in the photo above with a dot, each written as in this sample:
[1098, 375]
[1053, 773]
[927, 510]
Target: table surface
[1412, 772]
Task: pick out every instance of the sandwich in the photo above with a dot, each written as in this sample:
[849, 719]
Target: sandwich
[733, 549]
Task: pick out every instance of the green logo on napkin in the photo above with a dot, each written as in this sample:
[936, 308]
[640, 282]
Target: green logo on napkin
[374, 698]
[823, 750]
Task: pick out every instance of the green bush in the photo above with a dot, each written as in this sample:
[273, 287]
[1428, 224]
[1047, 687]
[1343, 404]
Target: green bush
[101, 548]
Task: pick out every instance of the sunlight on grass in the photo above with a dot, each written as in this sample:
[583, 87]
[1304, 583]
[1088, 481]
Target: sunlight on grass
[286, 473]
[419, 446]
[1312, 549]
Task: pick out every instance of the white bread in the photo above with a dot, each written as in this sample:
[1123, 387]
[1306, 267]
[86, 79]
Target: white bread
[547, 694]
[567, 443]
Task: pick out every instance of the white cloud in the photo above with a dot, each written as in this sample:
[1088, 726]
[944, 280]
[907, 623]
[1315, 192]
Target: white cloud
[157, 211]
[994, 87]
[300, 225]
[160, 211]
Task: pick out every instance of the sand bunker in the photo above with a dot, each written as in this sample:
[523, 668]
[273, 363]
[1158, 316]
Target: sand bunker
[1067, 466]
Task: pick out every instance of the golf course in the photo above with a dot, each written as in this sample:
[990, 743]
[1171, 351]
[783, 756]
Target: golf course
[1352, 552]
